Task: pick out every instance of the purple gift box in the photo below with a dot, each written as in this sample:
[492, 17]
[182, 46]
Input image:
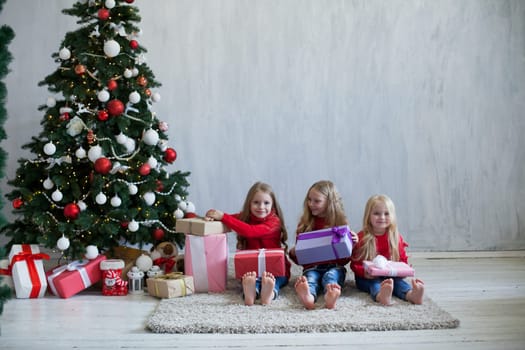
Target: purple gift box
[324, 245]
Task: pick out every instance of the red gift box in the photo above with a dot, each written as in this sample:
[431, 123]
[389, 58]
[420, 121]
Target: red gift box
[27, 268]
[259, 260]
[206, 259]
[391, 269]
[67, 280]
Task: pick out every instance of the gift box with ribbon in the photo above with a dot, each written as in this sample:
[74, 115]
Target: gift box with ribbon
[67, 280]
[200, 227]
[206, 260]
[324, 245]
[389, 269]
[27, 270]
[171, 285]
[259, 260]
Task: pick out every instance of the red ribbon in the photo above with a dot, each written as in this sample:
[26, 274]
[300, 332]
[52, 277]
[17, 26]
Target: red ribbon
[168, 263]
[30, 258]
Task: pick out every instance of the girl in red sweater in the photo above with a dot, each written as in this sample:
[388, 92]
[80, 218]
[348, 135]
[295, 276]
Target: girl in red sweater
[381, 237]
[259, 225]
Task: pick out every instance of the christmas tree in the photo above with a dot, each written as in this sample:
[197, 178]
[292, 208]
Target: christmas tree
[6, 35]
[100, 174]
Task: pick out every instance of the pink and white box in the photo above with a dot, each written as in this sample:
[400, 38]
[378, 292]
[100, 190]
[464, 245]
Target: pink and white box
[390, 269]
[206, 259]
[27, 268]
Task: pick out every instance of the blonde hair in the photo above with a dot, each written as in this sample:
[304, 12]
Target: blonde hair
[335, 213]
[368, 248]
[245, 213]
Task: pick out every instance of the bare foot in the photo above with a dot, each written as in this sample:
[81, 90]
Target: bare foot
[267, 284]
[248, 287]
[302, 290]
[333, 291]
[415, 296]
[385, 293]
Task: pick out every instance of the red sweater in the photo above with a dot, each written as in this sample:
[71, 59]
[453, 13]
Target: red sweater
[382, 248]
[259, 233]
[319, 223]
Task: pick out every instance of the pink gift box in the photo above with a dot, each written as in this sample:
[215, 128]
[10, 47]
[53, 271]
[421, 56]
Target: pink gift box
[391, 269]
[67, 280]
[323, 245]
[259, 260]
[27, 268]
[206, 259]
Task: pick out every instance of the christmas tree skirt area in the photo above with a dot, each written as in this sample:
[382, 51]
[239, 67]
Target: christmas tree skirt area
[355, 311]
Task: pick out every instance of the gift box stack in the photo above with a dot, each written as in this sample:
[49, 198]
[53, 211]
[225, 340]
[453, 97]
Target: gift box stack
[324, 245]
[206, 253]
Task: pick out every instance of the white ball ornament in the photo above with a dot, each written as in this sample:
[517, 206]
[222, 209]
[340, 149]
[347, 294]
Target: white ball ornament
[130, 145]
[116, 201]
[94, 153]
[82, 205]
[163, 145]
[63, 243]
[134, 71]
[91, 252]
[121, 138]
[153, 162]
[178, 214]
[57, 196]
[80, 153]
[134, 97]
[155, 97]
[151, 137]
[51, 102]
[128, 73]
[48, 184]
[178, 198]
[149, 198]
[132, 189]
[109, 4]
[101, 198]
[64, 53]
[103, 96]
[133, 226]
[50, 148]
[144, 262]
[111, 48]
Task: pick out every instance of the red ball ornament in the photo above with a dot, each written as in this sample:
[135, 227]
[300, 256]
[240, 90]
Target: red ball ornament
[115, 107]
[124, 224]
[158, 234]
[160, 186]
[17, 203]
[133, 44]
[130, 1]
[103, 115]
[170, 155]
[103, 165]
[71, 211]
[144, 169]
[112, 84]
[103, 14]
[80, 69]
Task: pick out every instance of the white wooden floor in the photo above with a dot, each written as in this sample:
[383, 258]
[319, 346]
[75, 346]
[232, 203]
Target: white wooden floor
[486, 291]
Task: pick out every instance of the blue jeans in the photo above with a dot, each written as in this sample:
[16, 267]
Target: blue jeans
[280, 281]
[372, 286]
[320, 276]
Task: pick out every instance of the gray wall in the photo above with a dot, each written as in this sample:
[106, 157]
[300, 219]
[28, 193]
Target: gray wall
[421, 100]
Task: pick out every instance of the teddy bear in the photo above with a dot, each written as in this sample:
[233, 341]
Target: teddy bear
[165, 255]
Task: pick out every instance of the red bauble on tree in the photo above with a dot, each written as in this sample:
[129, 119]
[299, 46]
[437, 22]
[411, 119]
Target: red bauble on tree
[170, 155]
[103, 165]
[158, 234]
[71, 211]
[103, 14]
[133, 44]
[112, 84]
[103, 115]
[17, 203]
[130, 1]
[115, 107]
[144, 169]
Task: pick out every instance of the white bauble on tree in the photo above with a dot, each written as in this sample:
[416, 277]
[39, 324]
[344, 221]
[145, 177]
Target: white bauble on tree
[103, 96]
[48, 184]
[130, 145]
[82, 205]
[109, 4]
[111, 48]
[91, 252]
[121, 138]
[134, 97]
[150, 137]
[57, 196]
[64, 53]
[128, 73]
[63, 243]
[94, 153]
[133, 189]
[101, 198]
[50, 148]
[116, 201]
[153, 162]
[149, 198]
[155, 97]
[133, 226]
[80, 153]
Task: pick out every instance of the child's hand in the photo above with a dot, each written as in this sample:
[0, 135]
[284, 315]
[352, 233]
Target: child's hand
[214, 214]
[355, 237]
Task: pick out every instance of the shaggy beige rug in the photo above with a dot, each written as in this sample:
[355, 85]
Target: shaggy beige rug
[355, 311]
